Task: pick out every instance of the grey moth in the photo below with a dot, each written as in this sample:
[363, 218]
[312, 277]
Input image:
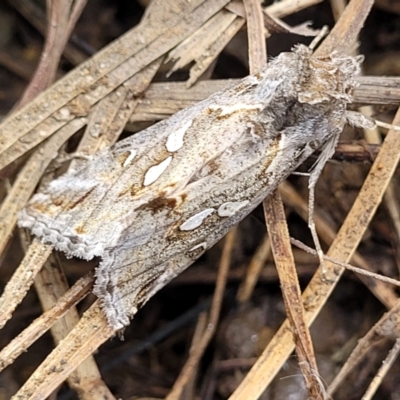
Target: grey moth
[150, 205]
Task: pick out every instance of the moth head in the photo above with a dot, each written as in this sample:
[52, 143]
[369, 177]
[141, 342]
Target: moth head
[326, 78]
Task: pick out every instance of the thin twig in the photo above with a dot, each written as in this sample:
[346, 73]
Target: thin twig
[197, 351]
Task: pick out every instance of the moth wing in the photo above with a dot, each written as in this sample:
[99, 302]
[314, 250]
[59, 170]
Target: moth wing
[124, 289]
[83, 212]
[161, 239]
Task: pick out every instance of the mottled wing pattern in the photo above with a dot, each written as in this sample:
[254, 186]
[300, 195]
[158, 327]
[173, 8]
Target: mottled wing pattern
[85, 211]
[153, 203]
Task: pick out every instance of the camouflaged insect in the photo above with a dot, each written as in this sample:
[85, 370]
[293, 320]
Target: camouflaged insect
[153, 203]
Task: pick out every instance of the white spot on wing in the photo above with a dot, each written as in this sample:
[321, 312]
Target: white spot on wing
[226, 110]
[202, 244]
[175, 139]
[129, 159]
[154, 172]
[196, 220]
[231, 208]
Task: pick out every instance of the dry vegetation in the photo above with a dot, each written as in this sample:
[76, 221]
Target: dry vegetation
[219, 330]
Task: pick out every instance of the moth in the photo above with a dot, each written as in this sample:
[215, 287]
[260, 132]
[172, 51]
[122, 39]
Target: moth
[153, 203]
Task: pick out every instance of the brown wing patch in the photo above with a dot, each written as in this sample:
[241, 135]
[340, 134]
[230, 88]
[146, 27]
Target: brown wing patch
[80, 230]
[80, 200]
[158, 204]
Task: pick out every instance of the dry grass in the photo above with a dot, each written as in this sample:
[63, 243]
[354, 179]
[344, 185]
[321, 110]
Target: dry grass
[104, 94]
